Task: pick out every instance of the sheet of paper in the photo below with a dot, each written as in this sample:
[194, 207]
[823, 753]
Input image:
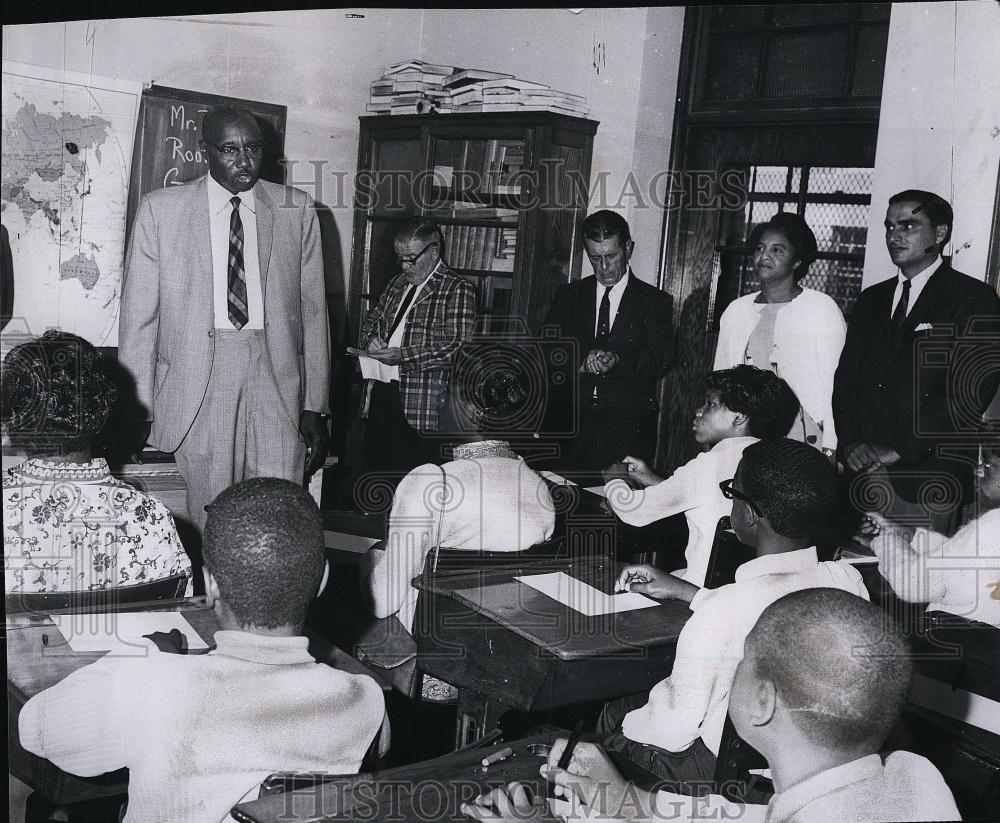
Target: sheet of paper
[348, 542]
[552, 477]
[374, 369]
[598, 490]
[583, 597]
[121, 632]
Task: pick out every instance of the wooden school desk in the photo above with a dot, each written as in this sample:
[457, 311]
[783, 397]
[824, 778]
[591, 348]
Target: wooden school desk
[430, 790]
[33, 667]
[507, 646]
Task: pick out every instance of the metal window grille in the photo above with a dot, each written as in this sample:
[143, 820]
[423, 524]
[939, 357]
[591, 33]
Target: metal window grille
[834, 201]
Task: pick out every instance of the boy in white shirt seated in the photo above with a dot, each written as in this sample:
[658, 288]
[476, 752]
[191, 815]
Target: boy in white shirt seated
[783, 496]
[959, 574]
[199, 733]
[822, 682]
[742, 405]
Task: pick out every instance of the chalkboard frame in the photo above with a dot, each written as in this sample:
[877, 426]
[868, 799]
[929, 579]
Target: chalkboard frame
[143, 178]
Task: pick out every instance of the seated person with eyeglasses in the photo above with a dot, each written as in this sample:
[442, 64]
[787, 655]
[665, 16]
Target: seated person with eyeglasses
[742, 404]
[784, 494]
[416, 329]
[805, 698]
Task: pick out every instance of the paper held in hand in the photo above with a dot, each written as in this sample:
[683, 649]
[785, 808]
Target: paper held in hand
[583, 597]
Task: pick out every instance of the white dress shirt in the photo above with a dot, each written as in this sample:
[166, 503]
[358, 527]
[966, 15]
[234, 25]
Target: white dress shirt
[905, 787]
[693, 489]
[959, 575]
[694, 700]
[614, 299]
[917, 283]
[494, 504]
[198, 733]
[220, 211]
[396, 338]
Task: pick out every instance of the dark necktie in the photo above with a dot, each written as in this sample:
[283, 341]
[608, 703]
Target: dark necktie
[402, 312]
[236, 296]
[899, 315]
[603, 321]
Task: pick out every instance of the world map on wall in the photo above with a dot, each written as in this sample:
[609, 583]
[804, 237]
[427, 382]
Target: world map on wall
[66, 152]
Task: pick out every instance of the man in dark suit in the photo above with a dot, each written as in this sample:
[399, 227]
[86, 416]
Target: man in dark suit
[622, 329]
[914, 376]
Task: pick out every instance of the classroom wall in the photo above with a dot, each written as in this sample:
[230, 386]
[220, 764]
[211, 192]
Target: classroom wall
[631, 95]
[317, 63]
[939, 126]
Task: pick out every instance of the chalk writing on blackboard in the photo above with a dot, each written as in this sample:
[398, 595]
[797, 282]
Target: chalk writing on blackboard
[182, 147]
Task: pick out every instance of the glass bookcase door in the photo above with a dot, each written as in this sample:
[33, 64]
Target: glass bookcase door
[478, 178]
[393, 188]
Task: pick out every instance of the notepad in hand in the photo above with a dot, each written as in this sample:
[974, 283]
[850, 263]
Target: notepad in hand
[583, 597]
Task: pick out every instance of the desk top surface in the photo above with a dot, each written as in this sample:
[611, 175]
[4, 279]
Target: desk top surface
[429, 790]
[549, 624]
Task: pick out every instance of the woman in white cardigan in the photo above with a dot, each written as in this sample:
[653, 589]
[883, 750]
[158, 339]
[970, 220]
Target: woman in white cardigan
[793, 331]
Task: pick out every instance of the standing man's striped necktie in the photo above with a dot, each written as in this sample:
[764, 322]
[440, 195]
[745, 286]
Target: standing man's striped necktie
[237, 293]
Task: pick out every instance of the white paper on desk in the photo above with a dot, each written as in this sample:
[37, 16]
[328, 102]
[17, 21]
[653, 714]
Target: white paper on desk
[375, 369]
[583, 597]
[556, 478]
[121, 632]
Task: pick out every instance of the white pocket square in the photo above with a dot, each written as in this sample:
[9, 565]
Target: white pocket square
[924, 327]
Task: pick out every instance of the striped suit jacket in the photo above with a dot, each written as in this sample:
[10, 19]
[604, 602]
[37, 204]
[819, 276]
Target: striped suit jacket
[442, 317]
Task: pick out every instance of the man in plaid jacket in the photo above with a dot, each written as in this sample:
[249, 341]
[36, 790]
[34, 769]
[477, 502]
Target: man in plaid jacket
[415, 331]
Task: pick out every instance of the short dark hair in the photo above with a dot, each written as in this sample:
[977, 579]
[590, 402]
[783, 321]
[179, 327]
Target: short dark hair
[792, 484]
[57, 393]
[421, 229]
[938, 210]
[837, 661]
[768, 401]
[264, 546]
[799, 235]
[603, 224]
[216, 116]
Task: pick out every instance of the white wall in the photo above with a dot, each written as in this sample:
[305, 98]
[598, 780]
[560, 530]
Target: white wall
[319, 65]
[939, 128]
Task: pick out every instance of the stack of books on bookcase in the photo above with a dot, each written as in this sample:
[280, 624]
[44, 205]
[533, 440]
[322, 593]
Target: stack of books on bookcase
[411, 87]
[480, 248]
[416, 87]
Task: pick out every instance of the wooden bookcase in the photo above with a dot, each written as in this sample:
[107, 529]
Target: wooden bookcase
[509, 191]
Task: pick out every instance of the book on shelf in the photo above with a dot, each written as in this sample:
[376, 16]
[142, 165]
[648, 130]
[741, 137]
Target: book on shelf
[512, 83]
[419, 65]
[413, 86]
[379, 107]
[469, 94]
[467, 76]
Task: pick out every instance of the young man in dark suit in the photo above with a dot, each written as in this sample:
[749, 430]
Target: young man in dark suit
[622, 329]
[914, 376]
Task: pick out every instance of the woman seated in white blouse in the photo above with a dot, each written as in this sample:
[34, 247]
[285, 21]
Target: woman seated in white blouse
[959, 574]
[68, 525]
[485, 500]
[786, 328]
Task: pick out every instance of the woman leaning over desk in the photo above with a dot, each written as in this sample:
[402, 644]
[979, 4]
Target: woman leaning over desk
[793, 331]
[68, 524]
[485, 500]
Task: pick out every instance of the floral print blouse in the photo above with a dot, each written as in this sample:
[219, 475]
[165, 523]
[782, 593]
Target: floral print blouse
[74, 527]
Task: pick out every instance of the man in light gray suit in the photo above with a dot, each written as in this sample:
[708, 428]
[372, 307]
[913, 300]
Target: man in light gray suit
[224, 320]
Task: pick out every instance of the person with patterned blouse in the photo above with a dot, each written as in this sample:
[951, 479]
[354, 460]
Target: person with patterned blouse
[69, 525]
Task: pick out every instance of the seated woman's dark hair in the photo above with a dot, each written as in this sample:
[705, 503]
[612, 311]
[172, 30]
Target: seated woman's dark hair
[57, 394]
[494, 381]
[799, 235]
[768, 401]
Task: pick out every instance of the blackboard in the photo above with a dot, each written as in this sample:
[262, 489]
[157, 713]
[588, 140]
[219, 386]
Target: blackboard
[166, 141]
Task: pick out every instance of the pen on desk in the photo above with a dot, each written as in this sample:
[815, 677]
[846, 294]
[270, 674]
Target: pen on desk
[567, 754]
[497, 756]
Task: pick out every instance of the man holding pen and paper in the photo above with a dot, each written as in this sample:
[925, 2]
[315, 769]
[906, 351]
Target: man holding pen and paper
[407, 345]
